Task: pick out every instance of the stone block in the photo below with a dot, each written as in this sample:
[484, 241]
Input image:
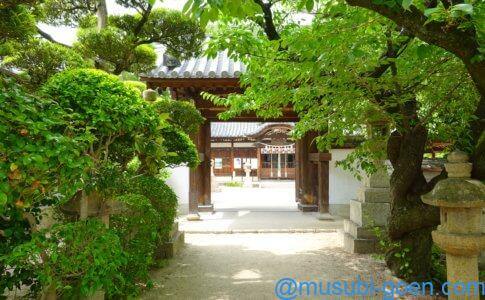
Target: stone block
[357, 231]
[369, 213]
[206, 208]
[380, 179]
[171, 248]
[307, 207]
[362, 246]
[374, 195]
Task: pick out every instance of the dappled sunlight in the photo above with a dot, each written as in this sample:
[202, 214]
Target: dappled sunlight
[247, 266]
[242, 213]
[272, 243]
[247, 274]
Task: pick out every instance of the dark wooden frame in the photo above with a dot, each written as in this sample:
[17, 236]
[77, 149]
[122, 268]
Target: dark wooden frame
[311, 180]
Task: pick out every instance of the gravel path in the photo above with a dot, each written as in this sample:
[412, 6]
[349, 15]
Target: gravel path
[247, 265]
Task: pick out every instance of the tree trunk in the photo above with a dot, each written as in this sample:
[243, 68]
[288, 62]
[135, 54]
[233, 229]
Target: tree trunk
[410, 221]
[477, 72]
[102, 14]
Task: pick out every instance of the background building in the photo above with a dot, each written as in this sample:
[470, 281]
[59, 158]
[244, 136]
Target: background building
[267, 147]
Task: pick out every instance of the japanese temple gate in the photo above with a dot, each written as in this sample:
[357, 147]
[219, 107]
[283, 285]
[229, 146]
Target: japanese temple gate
[220, 76]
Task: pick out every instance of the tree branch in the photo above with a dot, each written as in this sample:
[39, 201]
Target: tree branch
[462, 44]
[268, 26]
[48, 37]
[144, 18]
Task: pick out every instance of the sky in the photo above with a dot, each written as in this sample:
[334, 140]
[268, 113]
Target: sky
[67, 35]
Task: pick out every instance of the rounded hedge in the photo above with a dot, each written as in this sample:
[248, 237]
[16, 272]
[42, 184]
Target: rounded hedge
[78, 258]
[99, 101]
[162, 198]
[180, 148]
[138, 85]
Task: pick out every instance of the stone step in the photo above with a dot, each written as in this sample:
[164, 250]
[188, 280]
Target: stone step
[206, 208]
[378, 195]
[307, 207]
[367, 214]
[380, 179]
[362, 246]
[357, 231]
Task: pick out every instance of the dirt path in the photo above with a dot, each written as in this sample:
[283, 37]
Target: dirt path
[247, 266]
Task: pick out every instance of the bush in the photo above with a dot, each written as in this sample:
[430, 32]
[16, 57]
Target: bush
[136, 226]
[181, 149]
[138, 85]
[76, 258]
[182, 114]
[42, 59]
[40, 164]
[161, 197]
[117, 50]
[123, 124]
[100, 102]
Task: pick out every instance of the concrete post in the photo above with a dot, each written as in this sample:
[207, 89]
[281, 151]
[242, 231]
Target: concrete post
[460, 200]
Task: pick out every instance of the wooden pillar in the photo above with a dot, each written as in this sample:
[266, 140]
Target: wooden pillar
[321, 161]
[312, 181]
[206, 164]
[194, 188]
[323, 186]
[298, 172]
[200, 176]
[232, 160]
[258, 156]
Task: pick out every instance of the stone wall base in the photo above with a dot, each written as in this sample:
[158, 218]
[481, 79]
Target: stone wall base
[358, 239]
[307, 207]
[341, 210]
[171, 248]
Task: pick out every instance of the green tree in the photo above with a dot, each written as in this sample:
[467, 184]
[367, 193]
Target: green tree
[41, 164]
[131, 35]
[350, 70]
[456, 26]
[40, 59]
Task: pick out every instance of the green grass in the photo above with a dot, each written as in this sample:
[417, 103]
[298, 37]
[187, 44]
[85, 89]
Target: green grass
[233, 184]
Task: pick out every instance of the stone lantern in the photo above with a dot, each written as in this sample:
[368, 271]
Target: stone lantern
[460, 200]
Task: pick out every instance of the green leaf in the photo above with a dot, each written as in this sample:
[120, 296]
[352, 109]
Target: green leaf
[3, 199]
[406, 4]
[464, 7]
[430, 11]
[187, 6]
[309, 5]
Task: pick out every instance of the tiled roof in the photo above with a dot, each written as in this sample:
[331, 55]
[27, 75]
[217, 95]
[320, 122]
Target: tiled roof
[202, 67]
[238, 129]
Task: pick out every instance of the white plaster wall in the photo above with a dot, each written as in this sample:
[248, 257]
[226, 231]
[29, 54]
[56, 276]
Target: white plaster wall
[343, 186]
[179, 182]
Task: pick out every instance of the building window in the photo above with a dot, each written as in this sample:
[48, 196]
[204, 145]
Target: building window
[217, 163]
[237, 163]
[254, 163]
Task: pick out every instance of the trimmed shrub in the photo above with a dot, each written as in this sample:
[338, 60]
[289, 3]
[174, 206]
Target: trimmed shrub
[39, 165]
[138, 85]
[181, 114]
[136, 226]
[100, 102]
[161, 197]
[181, 149]
[77, 259]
